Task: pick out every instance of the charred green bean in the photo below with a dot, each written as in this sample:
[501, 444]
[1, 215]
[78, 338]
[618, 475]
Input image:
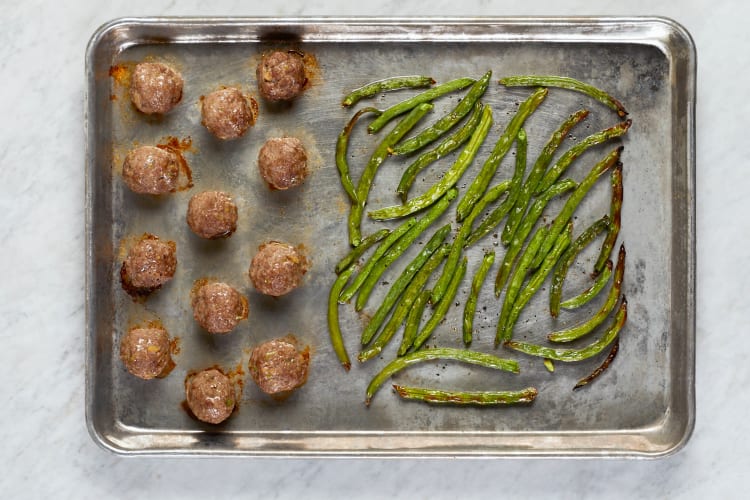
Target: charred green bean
[616, 219]
[388, 84]
[471, 302]
[482, 398]
[601, 368]
[342, 146]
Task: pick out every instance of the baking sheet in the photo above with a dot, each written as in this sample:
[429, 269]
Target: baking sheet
[642, 407]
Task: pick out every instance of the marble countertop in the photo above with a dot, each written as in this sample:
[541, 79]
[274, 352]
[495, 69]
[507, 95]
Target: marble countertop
[46, 451]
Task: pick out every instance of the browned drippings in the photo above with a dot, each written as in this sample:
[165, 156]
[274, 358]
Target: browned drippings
[174, 346]
[312, 69]
[177, 147]
[121, 73]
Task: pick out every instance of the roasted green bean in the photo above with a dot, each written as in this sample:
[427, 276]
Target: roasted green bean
[537, 172]
[516, 183]
[561, 270]
[413, 320]
[615, 216]
[480, 183]
[334, 330]
[601, 368]
[342, 145]
[568, 83]
[442, 308]
[424, 97]
[471, 302]
[587, 295]
[448, 145]
[388, 84]
[433, 133]
[578, 331]
[442, 353]
[567, 158]
[357, 252]
[377, 158]
[569, 355]
[575, 199]
[402, 282]
[482, 398]
[449, 179]
[382, 249]
[401, 246]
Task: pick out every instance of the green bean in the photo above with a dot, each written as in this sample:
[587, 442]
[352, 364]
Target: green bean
[442, 308]
[518, 174]
[403, 281]
[433, 133]
[357, 252]
[377, 158]
[412, 321]
[535, 282]
[527, 224]
[394, 83]
[587, 295]
[480, 183]
[601, 368]
[401, 246]
[448, 145]
[616, 218]
[567, 158]
[424, 97]
[569, 355]
[482, 398]
[578, 331]
[575, 199]
[471, 302]
[408, 298]
[568, 83]
[536, 174]
[382, 249]
[442, 353]
[561, 270]
[450, 265]
[549, 365]
[450, 178]
[342, 145]
[334, 330]
[518, 278]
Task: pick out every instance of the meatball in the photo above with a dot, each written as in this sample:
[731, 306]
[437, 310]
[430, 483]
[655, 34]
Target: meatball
[210, 396]
[282, 162]
[218, 307]
[151, 170]
[227, 114]
[277, 268]
[146, 352]
[281, 75]
[149, 264]
[278, 367]
[155, 88]
[212, 215]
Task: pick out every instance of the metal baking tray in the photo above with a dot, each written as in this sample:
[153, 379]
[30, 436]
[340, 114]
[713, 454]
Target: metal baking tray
[642, 407]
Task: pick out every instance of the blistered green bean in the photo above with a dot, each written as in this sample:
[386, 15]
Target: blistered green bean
[615, 216]
[386, 85]
[481, 398]
[601, 368]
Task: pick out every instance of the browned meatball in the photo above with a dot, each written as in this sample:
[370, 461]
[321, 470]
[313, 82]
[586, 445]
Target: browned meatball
[218, 307]
[146, 352]
[282, 162]
[155, 88]
[212, 215]
[150, 263]
[227, 113]
[278, 367]
[281, 75]
[151, 170]
[277, 268]
[210, 396]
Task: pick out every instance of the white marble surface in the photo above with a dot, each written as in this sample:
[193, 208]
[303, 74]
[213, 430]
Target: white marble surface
[45, 450]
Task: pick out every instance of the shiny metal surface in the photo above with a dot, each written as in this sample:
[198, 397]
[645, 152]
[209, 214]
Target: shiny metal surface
[642, 407]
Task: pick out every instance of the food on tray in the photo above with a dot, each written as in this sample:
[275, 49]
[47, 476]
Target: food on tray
[210, 395]
[227, 113]
[146, 352]
[277, 268]
[279, 366]
[212, 215]
[281, 75]
[150, 263]
[217, 307]
[151, 170]
[155, 88]
[282, 162]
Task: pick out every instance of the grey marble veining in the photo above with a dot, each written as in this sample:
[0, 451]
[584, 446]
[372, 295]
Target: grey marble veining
[46, 452]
